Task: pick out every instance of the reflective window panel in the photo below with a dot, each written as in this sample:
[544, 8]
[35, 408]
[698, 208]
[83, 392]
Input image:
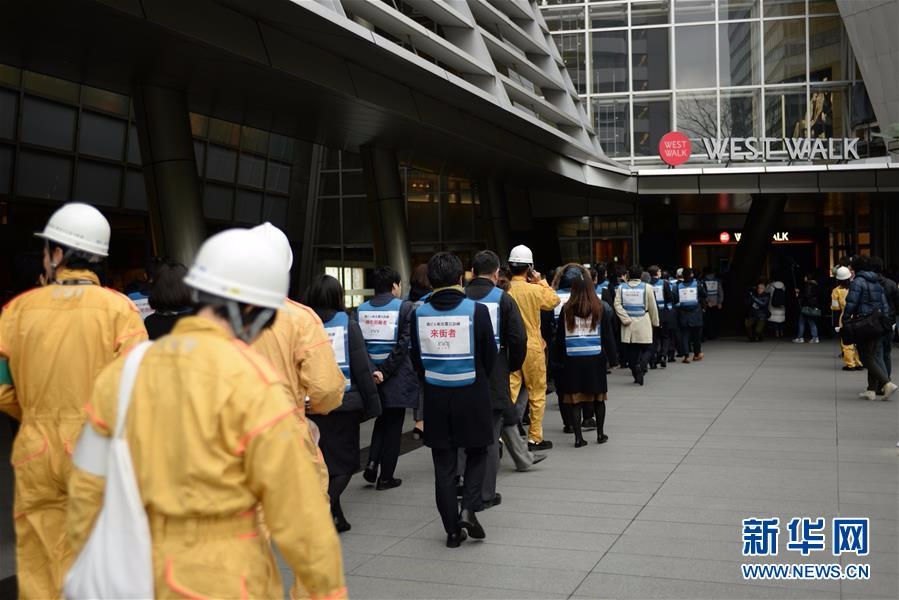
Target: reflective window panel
[101, 136]
[697, 117]
[827, 48]
[47, 123]
[650, 59]
[564, 19]
[654, 12]
[693, 11]
[607, 15]
[739, 50]
[572, 49]
[97, 183]
[652, 120]
[785, 51]
[41, 175]
[738, 9]
[610, 61]
[611, 119]
[785, 112]
[695, 56]
[740, 113]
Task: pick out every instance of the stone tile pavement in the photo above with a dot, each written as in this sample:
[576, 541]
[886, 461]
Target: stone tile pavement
[769, 429]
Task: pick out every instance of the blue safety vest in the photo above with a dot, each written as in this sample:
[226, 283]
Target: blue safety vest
[602, 285]
[583, 341]
[658, 289]
[491, 301]
[688, 294]
[633, 299]
[422, 300]
[337, 330]
[142, 302]
[672, 283]
[711, 287]
[446, 344]
[380, 325]
[563, 295]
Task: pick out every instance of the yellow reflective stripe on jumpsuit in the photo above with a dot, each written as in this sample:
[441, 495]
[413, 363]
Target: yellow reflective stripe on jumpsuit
[55, 339]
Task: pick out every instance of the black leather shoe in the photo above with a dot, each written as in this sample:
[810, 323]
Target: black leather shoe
[453, 540]
[544, 445]
[497, 500]
[370, 474]
[588, 424]
[568, 429]
[341, 524]
[580, 443]
[602, 439]
[469, 522]
[388, 484]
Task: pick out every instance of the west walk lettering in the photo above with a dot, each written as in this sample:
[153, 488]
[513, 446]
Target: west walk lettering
[753, 148]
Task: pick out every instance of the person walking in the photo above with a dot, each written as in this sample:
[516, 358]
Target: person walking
[866, 296]
[809, 312]
[169, 298]
[454, 351]
[635, 305]
[581, 353]
[212, 435]
[714, 303]
[512, 342]
[891, 291]
[661, 334]
[689, 303]
[563, 290]
[777, 307]
[532, 294]
[385, 323]
[339, 429]
[843, 276]
[757, 314]
[53, 342]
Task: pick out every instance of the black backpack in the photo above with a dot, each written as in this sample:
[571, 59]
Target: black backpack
[778, 298]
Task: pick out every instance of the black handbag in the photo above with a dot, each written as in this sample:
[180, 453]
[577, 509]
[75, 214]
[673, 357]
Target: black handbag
[863, 328]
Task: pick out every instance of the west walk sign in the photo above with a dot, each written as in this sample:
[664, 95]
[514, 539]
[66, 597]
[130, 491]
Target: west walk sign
[794, 149]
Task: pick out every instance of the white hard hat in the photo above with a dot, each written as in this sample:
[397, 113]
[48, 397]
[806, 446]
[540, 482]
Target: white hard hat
[521, 255]
[79, 226]
[238, 265]
[680, 272]
[277, 239]
[843, 273]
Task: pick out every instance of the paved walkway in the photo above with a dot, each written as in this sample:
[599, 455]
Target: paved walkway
[754, 430]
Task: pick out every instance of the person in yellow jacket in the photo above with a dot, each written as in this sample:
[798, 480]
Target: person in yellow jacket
[532, 294]
[53, 342]
[212, 435]
[838, 304]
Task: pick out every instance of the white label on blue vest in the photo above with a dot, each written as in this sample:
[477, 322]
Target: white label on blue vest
[444, 335]
[659, 291]
[687, 295]
[632, 296]
[378, 326]
[563, 300]
[581, 328]
[493, 309]
[335, 336]
[711, 286]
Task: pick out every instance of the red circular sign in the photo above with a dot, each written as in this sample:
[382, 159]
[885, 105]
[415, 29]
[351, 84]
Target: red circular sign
[724, 237]
[674, 148]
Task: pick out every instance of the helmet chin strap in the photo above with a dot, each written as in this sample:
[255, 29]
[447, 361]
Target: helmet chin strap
[247, 333]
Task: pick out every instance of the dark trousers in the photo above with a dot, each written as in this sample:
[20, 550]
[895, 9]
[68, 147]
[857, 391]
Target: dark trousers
[755, 328]
[385, 440]
[871, 354]
[691, 340]
[446, 462]
[660, 344]
[624, 354]
[888, 354]
[638, 357]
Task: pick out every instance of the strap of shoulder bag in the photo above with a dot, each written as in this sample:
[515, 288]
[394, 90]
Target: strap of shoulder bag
[126, 384]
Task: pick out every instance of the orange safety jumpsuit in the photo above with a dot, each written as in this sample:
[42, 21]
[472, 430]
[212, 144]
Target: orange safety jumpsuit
[55, 340]
[838, 303]
[531, 299]
[212, 435]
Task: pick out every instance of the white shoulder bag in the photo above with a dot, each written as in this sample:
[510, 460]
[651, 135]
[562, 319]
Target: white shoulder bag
[117, 560]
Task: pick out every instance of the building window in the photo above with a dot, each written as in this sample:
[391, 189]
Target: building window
[695, 57]
[610, 61]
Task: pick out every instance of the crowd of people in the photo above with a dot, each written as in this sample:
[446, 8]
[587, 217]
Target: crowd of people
[242, 409]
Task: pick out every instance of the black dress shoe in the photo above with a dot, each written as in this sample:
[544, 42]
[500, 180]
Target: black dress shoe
[341, 524]
[497, 500]
[664, 364]
[388, 484]
[453, 540]
[602, 438]
[370, 474]
[653, 366]
[469, 522]
[568, 429]
[580, 443]
[588, 424]
[544, 445]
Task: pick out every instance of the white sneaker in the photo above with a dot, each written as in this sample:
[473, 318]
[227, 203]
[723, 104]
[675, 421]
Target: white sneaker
[867, 395]
[888, 390]
[815, 341]
[799, 341]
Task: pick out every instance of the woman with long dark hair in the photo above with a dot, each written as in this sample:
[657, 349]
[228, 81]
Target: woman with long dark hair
[583, 346]
[339, 429]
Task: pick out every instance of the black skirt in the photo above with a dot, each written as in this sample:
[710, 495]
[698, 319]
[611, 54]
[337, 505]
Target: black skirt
[339, 441]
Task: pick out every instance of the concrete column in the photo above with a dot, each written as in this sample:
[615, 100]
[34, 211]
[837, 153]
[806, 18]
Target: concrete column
[387, 210]
[174, 196]
[494, 201]
[749, 255]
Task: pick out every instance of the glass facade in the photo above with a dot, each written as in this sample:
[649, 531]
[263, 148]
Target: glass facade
[708, 68]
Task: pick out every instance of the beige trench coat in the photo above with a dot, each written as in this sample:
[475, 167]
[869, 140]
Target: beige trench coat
[637, 330]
